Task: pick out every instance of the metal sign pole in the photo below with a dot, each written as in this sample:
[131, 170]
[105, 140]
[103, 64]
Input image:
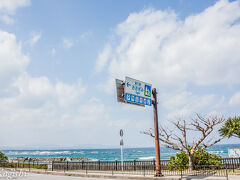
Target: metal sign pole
[121, 144]
[139, 93]
[122, 157]
[157, 148]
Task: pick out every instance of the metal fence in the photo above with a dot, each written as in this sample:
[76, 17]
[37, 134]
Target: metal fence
[128, 167]
[231, 163]
[139, 168]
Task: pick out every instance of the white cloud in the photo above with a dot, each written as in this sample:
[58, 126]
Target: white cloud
[12, 61]
[69, 93]
[32, 103]
[67, 43]
[175, 55]
[201, 50]
[235, 99]
[103, 58]
[185, 103]
[34, 38]
[9, 7]
[35, 108]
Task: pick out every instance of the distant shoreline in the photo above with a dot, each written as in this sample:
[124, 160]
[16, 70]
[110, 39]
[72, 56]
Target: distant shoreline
[111, 154]
[95, 148]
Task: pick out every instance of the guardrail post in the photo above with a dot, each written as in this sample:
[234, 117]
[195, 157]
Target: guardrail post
[181, 172]
[67, 165]
[52, 165]
[99, 165]
[29, 164]
[134, 163]
[116, 165]
[238, 163]
[233, 163]
[144, 169]
[226, 173]
[154, 164]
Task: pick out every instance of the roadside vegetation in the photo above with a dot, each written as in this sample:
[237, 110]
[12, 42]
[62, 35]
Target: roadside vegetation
[5, 163]
[3, 157]
[180, 138]
[231, 127]
[201, 158]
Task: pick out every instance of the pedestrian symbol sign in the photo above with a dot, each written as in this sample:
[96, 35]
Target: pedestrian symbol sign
[137, 92]
[147, 91]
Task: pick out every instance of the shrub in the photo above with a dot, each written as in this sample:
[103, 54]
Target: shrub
[203, 158]
[3, 157]
[200, 158]
[180, 162]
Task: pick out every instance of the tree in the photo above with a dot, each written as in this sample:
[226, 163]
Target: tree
[231, 128]
[200, 158]
[203, 126]
[3, 157]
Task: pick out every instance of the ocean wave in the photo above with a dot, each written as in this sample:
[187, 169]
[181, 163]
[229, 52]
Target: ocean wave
[78, 152]
[94, 152]
[216, 152]
[94, 160]
[147, 158]
[38, 153]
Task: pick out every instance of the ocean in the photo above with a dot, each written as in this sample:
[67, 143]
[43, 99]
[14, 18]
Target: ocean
[112, 154]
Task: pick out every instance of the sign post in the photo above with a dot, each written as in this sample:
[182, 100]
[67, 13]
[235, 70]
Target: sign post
[139, 93]
[156, 133]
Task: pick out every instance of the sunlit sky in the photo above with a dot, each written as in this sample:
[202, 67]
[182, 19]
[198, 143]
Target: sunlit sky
[59, 60]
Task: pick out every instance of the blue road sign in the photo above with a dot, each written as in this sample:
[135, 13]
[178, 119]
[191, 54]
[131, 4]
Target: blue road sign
[138, 92]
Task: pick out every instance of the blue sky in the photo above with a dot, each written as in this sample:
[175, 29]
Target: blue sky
[59, 59]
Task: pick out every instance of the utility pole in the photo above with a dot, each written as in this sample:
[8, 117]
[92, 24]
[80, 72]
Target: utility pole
[157, 148]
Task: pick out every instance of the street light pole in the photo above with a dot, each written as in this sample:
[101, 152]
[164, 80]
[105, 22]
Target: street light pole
[157, 148]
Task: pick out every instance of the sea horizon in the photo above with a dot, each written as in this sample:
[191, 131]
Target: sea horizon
[130, 153]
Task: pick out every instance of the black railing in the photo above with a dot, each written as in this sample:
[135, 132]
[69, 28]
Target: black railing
[105, 165]
[128, 167]
[138, 168]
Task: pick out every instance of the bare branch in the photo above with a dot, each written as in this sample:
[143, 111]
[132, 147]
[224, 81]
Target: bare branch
[209, 145]
[165, 137]
[204, 125]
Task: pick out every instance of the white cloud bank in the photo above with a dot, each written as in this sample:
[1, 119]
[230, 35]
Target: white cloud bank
[175, 55]
[32, 104]
[35, 110]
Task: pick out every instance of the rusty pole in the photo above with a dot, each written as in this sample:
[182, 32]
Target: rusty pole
[157, 148]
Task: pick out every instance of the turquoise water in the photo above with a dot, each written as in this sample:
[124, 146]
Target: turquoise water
[112, 154]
